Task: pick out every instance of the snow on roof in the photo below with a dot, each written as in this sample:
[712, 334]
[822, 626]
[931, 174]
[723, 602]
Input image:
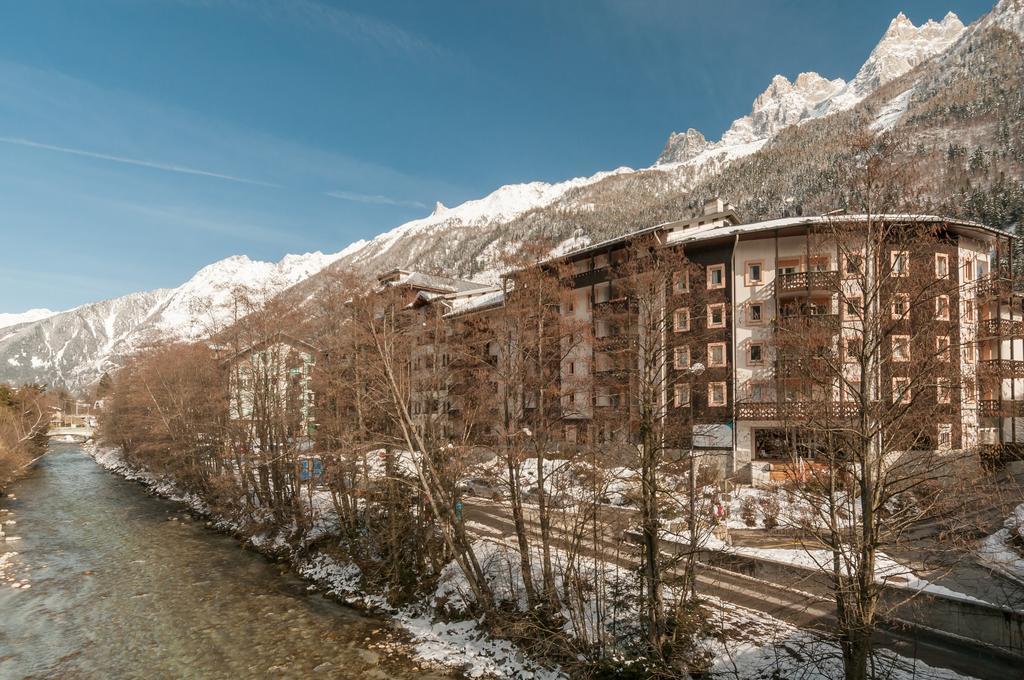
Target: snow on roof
[476, 303]
[443, 284]
[711, 232]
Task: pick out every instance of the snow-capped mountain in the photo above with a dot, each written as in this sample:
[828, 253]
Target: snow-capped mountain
[467, 239]
[939, 85]
[76, 347]
[902, 47]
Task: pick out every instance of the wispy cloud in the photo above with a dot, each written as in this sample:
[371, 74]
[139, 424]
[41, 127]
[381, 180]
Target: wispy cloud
[167, 167]
[354, 27]
[375, 199]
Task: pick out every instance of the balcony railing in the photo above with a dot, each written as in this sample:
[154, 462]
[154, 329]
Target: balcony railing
[797, 282]
[1006, 408]
[993, 286]
[1000, 328]
[1004, 368]
[807, 321]
[795, 410]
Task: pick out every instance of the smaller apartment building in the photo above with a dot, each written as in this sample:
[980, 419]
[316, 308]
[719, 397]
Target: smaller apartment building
[270, 382]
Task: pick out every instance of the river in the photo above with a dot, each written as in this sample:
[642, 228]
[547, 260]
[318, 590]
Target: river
[100, 580]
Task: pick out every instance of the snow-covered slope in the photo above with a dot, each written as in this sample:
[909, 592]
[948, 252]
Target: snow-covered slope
[7, 320]
[76, 347]
[501, 205]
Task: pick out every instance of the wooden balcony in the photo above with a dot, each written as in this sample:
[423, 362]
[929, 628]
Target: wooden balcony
[1002, 368]
[794, 410]
[1000, 328]
[995, 286]
[614, 308]
[801, 322]
[804, 282]
[1006, 408]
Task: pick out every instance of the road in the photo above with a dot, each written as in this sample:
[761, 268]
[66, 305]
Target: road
[490, 519]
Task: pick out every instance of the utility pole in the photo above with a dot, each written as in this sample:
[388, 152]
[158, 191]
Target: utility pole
[694, 371]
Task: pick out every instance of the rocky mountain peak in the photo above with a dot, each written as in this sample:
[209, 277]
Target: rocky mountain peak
[682, 146]
[811, 95]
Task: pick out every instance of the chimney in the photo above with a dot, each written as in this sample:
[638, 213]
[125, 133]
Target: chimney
[715, 205]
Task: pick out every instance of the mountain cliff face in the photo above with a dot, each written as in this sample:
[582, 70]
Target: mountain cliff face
[75, 348]
[953, 95]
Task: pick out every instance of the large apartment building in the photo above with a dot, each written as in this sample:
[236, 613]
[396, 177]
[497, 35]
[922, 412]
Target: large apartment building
[750, 304]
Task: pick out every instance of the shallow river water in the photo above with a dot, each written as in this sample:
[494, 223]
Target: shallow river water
[97, 581]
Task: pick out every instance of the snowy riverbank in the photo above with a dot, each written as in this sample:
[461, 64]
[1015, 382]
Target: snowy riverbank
[462, 645]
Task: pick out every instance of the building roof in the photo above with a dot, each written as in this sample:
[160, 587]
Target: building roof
[490, 300]
[428, 282]
[279, 337]
[708, 232]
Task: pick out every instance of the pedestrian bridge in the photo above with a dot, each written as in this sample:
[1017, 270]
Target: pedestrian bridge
[70, 434]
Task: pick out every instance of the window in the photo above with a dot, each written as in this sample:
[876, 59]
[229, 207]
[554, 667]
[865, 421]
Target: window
[942, 308]
[716, 394]
[945, 436]
[901, 348]
[900, 305]
[716, 354]
[789, 266]
[681, 281]
[572, 368]
[851, 310]
[968, 353]
[900, 261]
[850, 391]
[942, 265]
[759, 391]
[681, 396]
[968, 311]
[969, 390]
[755, 273]
[571, 307]
[901, 390]
[681, 320]
[716, 276]
[968, 270]
[942, 347]
[942, 390]
[755, 354]
[716, 315]
[681, 358]
[602, 292]
[853, 265]
[819, 263]
[852, 349]
[755, 313]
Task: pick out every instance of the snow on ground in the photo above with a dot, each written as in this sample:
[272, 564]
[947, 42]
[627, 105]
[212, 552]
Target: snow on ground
[1004, 549]
[887, 570]
[750, 645]
[460, 644]
[891, 113]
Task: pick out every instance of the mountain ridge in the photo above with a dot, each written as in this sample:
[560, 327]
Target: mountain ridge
[919, 82]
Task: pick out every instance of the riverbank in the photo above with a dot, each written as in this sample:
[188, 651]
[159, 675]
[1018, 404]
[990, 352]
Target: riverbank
[432, 639]
[108, 580]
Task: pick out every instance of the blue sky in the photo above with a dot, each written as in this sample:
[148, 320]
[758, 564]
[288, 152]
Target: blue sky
[143, 139]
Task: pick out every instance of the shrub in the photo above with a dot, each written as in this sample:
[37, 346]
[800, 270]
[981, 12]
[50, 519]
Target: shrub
[770, 509]
[748, 511]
